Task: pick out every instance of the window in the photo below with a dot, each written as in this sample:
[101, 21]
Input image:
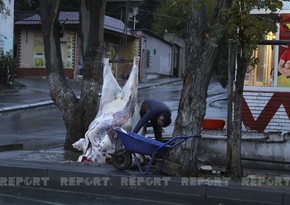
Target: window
[262, 74]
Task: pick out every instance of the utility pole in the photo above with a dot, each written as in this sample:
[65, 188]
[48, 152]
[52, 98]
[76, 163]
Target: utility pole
[133, 15]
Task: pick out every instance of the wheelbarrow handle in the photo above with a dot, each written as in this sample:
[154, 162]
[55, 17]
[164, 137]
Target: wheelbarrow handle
[181, 139]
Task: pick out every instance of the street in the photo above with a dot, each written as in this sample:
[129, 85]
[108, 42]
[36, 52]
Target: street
[45, 124]
[43, 129]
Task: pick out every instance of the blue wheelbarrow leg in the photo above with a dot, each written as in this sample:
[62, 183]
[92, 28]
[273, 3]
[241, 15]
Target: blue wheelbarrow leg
[153, 156]
[144, 172]
[167, 147]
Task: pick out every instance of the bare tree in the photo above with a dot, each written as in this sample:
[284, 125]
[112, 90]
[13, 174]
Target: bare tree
[77, 113]
[203, 38]
[246, 30]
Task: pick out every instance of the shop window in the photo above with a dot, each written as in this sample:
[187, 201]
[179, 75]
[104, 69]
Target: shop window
[67, 49]
[63, 47]
[262, 73]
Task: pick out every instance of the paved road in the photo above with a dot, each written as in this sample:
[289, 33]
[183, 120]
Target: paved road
[42, 131]
[43, 128]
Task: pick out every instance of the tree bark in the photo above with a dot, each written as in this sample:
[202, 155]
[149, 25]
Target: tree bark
[231, 74]
[77, 114]
[236, 170]
[243, 59]
[92, 14]
[202, 54]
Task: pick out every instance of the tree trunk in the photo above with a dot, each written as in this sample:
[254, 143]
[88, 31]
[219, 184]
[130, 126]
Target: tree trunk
[236, 170]
[92, 14]
[77, 114]
[202, 54]
[243, 59]
[231, 74]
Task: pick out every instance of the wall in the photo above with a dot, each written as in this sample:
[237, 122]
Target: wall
[266, 110]
[160, 59]
[179, 44]
[269, 151]
[31, 53]
[7, 27]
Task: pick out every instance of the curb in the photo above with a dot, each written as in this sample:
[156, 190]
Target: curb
[220, 106]
[26, 106]
[88, 178]
[50, 102]
[159, 84]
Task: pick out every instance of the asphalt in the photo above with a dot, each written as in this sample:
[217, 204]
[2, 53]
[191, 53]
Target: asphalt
[259, 187]
[36, 92]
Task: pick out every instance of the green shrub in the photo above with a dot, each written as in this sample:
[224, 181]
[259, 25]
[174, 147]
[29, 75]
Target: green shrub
[7, 67]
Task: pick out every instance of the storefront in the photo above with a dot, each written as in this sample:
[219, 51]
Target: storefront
[266, 104]
[28, 43]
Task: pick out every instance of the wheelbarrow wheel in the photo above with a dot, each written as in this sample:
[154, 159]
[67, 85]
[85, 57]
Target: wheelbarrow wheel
[122, 159]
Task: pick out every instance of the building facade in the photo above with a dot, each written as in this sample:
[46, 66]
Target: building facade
[121, 45]
[156, 55]
[266, 103]
[28, 42]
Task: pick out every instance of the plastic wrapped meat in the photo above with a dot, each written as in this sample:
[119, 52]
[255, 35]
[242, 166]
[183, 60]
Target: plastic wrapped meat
[118, 108]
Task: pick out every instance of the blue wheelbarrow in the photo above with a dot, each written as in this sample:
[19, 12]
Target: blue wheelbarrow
[137, 144]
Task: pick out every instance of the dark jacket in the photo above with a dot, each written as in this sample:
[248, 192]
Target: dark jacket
[150, 111]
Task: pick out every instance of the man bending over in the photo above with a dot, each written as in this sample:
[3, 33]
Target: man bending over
[154, 114]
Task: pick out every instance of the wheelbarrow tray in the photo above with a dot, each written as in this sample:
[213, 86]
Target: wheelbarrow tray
[135, 143]
[138, 144]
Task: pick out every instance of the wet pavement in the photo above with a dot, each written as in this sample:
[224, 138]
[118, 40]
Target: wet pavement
[45, 157]
[41, 127]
